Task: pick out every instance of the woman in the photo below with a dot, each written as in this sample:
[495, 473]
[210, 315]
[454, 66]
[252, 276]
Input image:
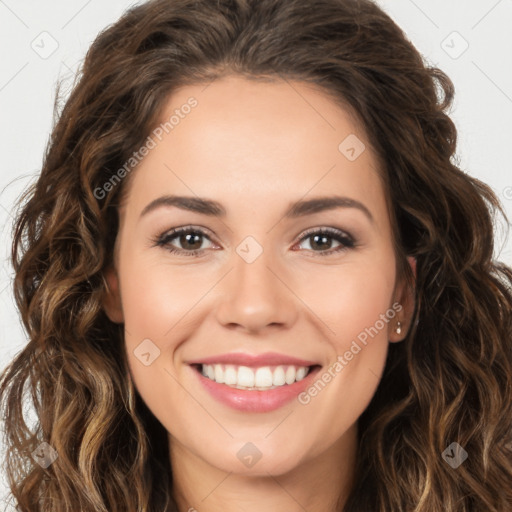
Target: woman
[253, 278]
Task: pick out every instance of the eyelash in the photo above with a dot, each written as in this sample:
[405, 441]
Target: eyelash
[346, 241]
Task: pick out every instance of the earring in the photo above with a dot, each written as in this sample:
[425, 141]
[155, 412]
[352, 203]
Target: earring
[398, 329]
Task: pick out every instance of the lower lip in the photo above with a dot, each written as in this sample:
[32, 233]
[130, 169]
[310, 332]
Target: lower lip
[255, 400]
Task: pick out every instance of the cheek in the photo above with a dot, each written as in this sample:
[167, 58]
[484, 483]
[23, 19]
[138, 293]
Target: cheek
[364, 299]
[156, 301]
[358, 345]
[159, 303]
[156, 297]
[348, 298]
[355, 306]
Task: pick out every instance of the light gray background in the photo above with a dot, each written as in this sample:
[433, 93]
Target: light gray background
[43, 42]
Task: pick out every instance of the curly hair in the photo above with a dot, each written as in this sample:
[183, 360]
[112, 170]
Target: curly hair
[449, 381]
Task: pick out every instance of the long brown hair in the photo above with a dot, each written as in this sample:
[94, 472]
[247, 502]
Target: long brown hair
[449, 381]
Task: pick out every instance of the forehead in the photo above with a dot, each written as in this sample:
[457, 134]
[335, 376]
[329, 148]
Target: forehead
[250, 143]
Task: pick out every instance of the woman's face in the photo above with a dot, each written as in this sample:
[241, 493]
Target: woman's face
[294, 273]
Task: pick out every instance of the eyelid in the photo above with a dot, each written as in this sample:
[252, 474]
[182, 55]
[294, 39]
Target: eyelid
[326, 229]
[173, 232]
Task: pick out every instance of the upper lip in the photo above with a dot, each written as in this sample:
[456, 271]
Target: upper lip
[254, 360]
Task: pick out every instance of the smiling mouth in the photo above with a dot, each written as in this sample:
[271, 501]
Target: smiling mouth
[261, 378]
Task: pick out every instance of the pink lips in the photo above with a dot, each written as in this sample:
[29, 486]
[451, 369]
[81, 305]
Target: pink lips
[255, 400]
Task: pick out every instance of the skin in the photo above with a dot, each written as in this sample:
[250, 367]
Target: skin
[256, 148]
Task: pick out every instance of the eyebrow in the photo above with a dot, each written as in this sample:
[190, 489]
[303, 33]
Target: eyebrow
[298, 209]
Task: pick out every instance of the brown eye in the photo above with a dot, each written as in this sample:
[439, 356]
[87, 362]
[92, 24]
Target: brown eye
[321, 241]
[186, 241]
[191, 241]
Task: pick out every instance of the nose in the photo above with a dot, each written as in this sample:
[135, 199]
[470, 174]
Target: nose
[255, 297]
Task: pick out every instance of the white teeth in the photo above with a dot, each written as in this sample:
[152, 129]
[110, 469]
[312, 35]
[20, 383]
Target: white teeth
[230, 375]
[278, 379]
[244, 377]
[301, 373]
[290, 375]
[219, 374]
[263, 377]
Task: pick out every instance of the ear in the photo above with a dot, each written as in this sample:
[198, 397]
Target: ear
[112, 297]
[404, 295]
